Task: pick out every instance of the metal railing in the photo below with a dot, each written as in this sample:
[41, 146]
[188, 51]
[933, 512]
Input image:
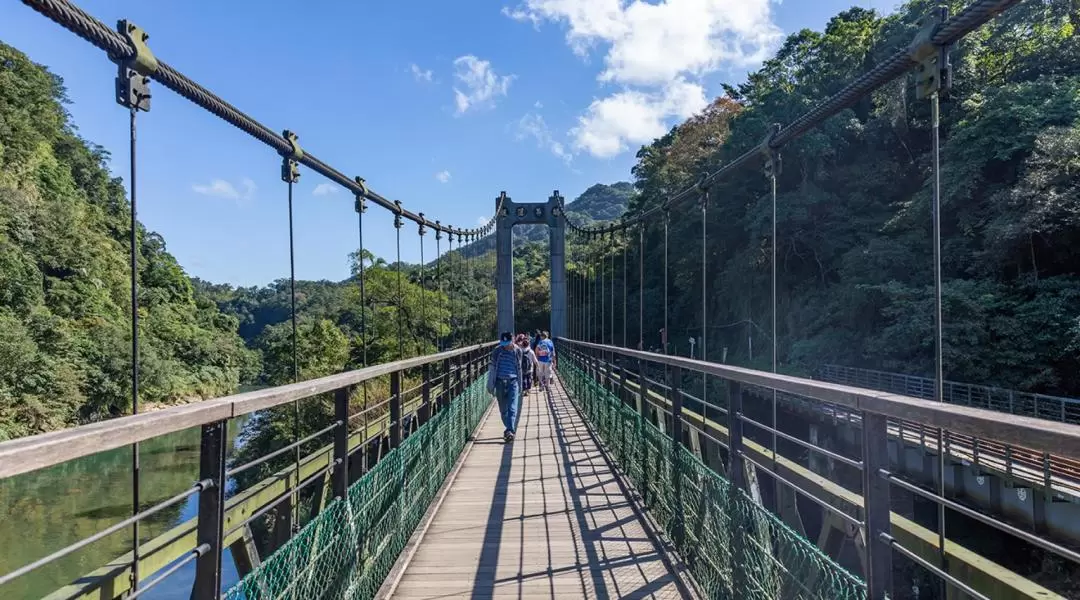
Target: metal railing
[1040, 406]
[220, 522]
[868, 511]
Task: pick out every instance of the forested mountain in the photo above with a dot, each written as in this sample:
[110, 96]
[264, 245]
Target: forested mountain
[855, 278]
[65, 343]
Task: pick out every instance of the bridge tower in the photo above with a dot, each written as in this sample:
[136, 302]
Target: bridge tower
[530, 213]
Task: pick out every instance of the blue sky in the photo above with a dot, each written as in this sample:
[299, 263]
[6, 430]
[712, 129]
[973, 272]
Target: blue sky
[438, 104]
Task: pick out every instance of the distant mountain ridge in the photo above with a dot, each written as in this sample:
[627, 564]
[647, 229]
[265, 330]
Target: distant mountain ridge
[601, 202]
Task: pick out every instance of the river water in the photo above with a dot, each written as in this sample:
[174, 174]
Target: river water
[46, 510]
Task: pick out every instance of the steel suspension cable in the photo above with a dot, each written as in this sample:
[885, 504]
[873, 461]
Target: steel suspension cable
[625, 342]
[641, 287]
[400, 303]
[611, 292]
[451, 340]
[470, 314]
[120, 49]
[590, 285]
[664, 337]
[361, 208]
[135, 462]
[772, 169]
[967, 20]
[438, 273]
[423, 288]
[290, 175]
[939, 359]
[704, 292]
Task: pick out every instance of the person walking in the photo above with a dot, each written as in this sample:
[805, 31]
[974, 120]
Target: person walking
[545, 355]
[529, 364]
[504, 381]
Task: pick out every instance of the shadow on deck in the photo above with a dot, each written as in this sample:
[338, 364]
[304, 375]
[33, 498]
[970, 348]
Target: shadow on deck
[542, 517]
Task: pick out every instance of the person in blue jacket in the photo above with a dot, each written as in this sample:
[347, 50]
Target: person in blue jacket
[545, 354]
[504, 381]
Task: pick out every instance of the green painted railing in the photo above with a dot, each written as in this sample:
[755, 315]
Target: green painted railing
[349, 548]
[733, 546]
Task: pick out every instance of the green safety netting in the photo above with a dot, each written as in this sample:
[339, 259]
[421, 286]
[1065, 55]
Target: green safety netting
[350, 547]
[733, 546]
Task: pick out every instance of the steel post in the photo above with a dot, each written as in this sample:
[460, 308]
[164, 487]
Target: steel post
[395, 409]
[876, 505]
[210, 528]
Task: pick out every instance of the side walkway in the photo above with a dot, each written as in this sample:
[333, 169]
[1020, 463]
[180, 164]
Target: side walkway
[542, 517]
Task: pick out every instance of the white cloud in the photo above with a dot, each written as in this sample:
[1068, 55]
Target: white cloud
[652, 43]
[324, 189]
[538, 105]
[657, 53]
[482, 85]
[521, 14]
[482, 220]
[424, 75]
[443, 176]
[633, 117]
[533, 126]
[219, 188]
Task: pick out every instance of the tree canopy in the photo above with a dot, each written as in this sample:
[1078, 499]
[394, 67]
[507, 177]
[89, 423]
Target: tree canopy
[65, 342]
[854, 254]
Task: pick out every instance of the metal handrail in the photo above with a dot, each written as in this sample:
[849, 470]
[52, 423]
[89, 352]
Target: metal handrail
[875, 411]
[968, 394]
[44, 450]
[1027, 432]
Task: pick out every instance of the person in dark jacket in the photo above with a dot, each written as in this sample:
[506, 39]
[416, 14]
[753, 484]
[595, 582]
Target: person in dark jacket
[529, 365]
[504, 381]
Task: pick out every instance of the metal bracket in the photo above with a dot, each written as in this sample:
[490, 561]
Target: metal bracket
[422, 229]
[133, 72]
[397, 214]
[771, 155]
[290, 169]
[933, 74]
[143, 61]
[361, 198]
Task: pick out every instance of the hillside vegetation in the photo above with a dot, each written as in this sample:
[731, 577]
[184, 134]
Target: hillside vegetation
[854, 265]
[65, 342]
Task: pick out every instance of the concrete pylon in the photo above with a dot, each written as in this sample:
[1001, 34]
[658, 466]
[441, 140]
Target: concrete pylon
[534, 213]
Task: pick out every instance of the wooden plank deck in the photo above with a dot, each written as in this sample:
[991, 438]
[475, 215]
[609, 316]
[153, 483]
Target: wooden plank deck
[542, 517]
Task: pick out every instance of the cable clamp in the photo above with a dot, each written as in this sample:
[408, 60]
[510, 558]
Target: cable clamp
[770, 153]
[933, 71]
[361, 198]
[397, 214]
[422, 229]
[438, 230]
[133, 72]
[290, 167]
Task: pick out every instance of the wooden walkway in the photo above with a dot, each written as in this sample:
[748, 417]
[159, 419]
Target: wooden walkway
[542, 517]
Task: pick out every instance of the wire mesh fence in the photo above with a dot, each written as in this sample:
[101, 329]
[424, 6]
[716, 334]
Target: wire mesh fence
[733, 546]
[348, 550]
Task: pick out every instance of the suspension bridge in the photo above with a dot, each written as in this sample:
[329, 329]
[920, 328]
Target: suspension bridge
[635, 474]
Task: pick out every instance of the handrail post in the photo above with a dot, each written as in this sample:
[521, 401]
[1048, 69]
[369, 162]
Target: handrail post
[623, 396]
[675, 373]
[341, 441]
[736, 468]
[876, 505]
[444, 395]
[395, 409]
[643, 389]
[424, 412]
[210, 528]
